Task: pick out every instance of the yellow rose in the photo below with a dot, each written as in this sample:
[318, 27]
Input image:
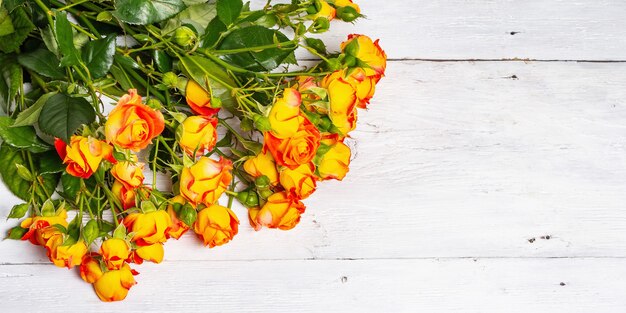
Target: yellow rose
[323, 10]
[132, 124]
[347, 3]
[206, 180]
[262, 164]
[300, 181]
[369, 52]
[148, 228]
[334, 164]
[198, 134]
[285, 116]
[296, 150]
[178, 227]
[114, 285]
[153, 253]
[90, 269]
[363, 85]
[83, 155]
[129, 173]
[343, 101]
[114, 252]
[199, 100]
[280, 211]
[216, 225]
[125, 195]
[65, 255]
[39, 230]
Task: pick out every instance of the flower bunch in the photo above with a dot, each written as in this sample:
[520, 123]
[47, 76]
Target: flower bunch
[205, 97]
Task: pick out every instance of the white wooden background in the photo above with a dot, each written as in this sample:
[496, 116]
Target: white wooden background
[489, 175]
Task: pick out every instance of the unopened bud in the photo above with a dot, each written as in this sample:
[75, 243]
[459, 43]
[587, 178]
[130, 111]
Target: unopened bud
[348, 14]
[188, 214]
[320, 25]
[170, 80]
[262, 182]
[261, 122]
[184, 36]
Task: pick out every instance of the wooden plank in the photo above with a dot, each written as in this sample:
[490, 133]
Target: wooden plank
[466, 285]
[459, 160]
[492, 29]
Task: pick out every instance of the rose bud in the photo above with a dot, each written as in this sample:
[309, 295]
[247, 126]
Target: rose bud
[83, 155]
[178, 227]
[114, 285]
[132, 124]
[90, 269]
[343, 101]
[321, 8]
[114, 252]
[334, 163]
[300, 181]
[296, 150]
[148, 228]
[347, 11]
[280, 211]
[216, 225]
[184, 36]
[197, 133]
[65, 255]
[40, 228]
[126, 196]
[129, 173]
[199, 100]
[285, 116]
[262, 165]
[206, 180]
[368, 52]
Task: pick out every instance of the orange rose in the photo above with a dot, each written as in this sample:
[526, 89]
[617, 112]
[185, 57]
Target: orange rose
[39, 227]
[280, 211]
[90, 269]
[65, 255]
[148, 228]
[199, 100]
[343, 102]
[114, 285]
[216, 225]
[334, 164]
[132, 124]
[206, 180]
[198, 133]
[153, 253]
[129, 173]
[284, 117]
[363, 85]
[296, 150]
[300, 181]
[262, 164]
[126, 196]
[114, 251]
[178, 227]
[368, 52]
[83, 155]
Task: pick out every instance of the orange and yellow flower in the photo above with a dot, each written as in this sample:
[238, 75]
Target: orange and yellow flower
[368, 52]
[178, 227]
[280, 211]
[334, 164]
[216, 225]
[148, 228]
[153, 253]
[300, 182]
[113, 285]
[83, 155]
[262, 164]
[343, 101]
[90, 269]
[284, 117]
[129, 173]
[114, 252]
[199, 134]
[206, 180]
[347, 3]
[199, 100]
[295, 150]
[65, 255]
[126, 196]
[132, 124]
[40, 228]
[324, 10]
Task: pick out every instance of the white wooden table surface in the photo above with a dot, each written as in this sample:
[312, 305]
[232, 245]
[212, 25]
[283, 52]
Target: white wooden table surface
[489, 175]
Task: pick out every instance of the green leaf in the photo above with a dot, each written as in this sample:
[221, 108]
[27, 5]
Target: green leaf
[31, 114]
[213, 32]
[18, 210]
[65, 38]
[205, 71]
[23, 137]
[198, 15]
[10, 156]
[91, 231]
[71, 184]
[17, 232]
[229, 10]
[42, 62]
[47, 35]
[143, 12]
[62, 115]
[162, 60]
[6, 26]
[24, 173]
[10, 80]
[50, 162]
[22, 26]
[256, 36]
[317, 44]
[98, 55]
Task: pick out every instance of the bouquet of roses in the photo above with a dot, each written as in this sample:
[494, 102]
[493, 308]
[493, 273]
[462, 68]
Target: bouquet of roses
[205, 93]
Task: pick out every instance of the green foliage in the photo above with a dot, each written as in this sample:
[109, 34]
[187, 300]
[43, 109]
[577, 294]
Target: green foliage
[21, 26]
[143, 12]
[229, 10]
[65, 39]
[62, 115]
[257, 36]
[42, 62]
[23, 137]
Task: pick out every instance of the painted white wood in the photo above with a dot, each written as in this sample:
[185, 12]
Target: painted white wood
[458, 285]
[493, 29]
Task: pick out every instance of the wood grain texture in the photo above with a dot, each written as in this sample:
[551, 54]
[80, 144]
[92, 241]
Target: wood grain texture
[458, 285]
